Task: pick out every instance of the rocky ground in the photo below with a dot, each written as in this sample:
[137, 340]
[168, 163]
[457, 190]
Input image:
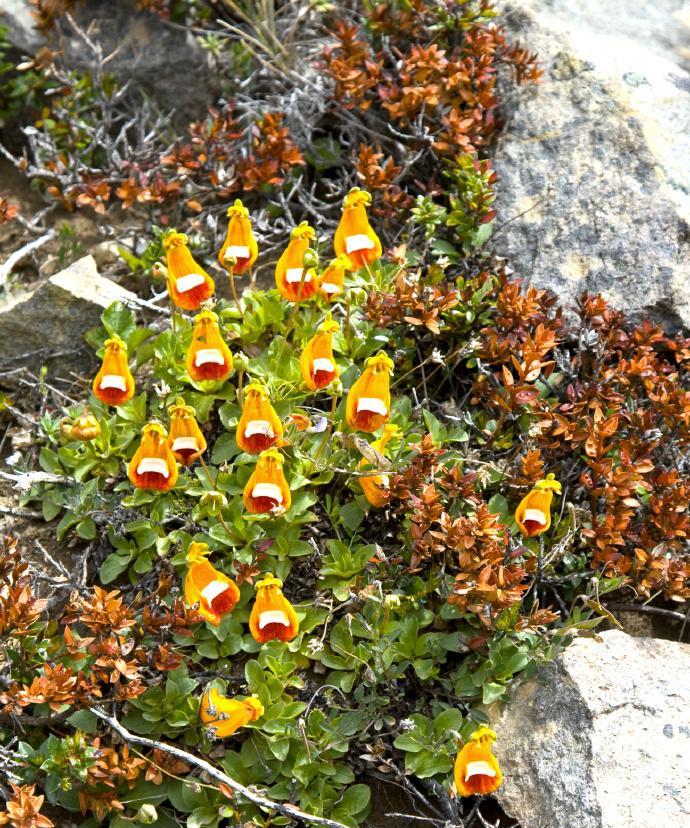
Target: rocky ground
[594, 194]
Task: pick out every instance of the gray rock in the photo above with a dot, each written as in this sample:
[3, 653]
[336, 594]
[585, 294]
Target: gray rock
[595, 162]
[47, 325]
[16, 15]
[600, 738]
[166, 64]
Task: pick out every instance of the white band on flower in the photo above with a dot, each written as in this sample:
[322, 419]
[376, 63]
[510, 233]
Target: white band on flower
[323, 364]
[113, 381]
[269, 490]
[206, 355]
[184, 443]
[153, 465]
[213, 590]
[273, 617]
[262, 427]
[371, 404]
[189, 282]
[358, 242]
[237, 251]
[294, 274]
[535, 515]
[478, 769]
[330, 287]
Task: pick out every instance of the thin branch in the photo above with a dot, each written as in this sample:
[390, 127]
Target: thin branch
[22, 253]
[666, 613]
[286, 809]
[23, 481]
[21, 513]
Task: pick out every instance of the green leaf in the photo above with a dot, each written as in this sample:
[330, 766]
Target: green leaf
[498, 505]
[324, 153]
[113, 566]
[492, 692]
[86, 529]
[83, 720]
[118, 319]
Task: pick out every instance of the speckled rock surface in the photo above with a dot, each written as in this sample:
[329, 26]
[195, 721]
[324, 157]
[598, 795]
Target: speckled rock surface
[47, 324]
[600, 738]
[595, 162]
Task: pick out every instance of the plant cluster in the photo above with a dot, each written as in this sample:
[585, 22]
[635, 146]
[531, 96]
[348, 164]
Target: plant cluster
[399, 630]
[330, 522]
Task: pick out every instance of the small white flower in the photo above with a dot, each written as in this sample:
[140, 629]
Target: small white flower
[162, 389]
[406, 724]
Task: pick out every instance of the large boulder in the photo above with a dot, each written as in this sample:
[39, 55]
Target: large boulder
[595, 161]
[164, 62]
[600, 738]
[46, 325]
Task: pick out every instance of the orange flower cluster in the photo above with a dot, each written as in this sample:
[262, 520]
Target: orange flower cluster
[216, 595]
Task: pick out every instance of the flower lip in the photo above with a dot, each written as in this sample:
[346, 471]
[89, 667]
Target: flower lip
[269, 490]
[480, 768]
[237, 251]
[237, 209]
[213, 590]
[303, 231]
[113, 381]
[273, 617]
[535, 516]
[359, 241]
[208, 355]
[372, 404]
[185, 444]
[323, 364]
[355, 197]
[294, 274]
[153, 465]
[262, 427]
[173, 239]
[189, 282]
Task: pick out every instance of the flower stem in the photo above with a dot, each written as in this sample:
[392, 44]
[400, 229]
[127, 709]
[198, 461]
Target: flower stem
[233, 290]
[207, 472]
[240, 388]
[329, 429]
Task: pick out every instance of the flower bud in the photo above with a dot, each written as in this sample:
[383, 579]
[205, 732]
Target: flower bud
[240, 362]
[357, 296]
[147, 814]
[86, 427]
[159, 270]
[66, 429]
[214, 502]
[310, 258]
[336, 388]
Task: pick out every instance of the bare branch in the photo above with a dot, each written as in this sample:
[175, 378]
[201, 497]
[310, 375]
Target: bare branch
[22, 253]
[264, 802]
